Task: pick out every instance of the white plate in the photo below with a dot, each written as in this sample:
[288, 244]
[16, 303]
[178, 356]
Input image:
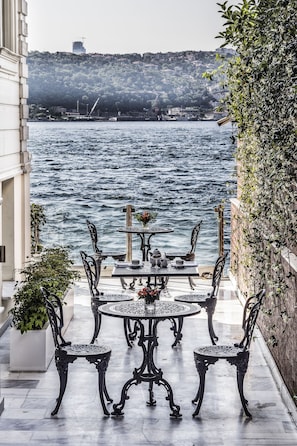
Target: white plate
[128, 265]
[177, 266]
[184, 265]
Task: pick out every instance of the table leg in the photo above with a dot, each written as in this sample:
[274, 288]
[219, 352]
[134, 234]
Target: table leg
[156, 282]
[147, 372]
[145, 246]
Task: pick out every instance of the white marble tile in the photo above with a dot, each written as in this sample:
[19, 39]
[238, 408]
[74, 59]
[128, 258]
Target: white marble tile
[80, 421]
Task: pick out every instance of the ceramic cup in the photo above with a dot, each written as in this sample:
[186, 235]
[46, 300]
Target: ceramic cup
[135, 264]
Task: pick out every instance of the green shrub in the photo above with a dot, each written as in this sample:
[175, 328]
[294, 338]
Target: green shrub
[52, 271]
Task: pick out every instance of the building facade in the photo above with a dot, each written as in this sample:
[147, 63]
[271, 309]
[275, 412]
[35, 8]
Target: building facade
[14, 158]
[78, 47]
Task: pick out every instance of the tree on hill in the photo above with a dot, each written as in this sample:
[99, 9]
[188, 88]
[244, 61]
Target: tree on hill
[125, 83]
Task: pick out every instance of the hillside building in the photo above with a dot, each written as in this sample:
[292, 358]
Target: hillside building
[78, 47]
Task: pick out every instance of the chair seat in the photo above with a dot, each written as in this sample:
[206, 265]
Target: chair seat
[114, 254]
[84, 350]
[109, 297]
[218, 351]
[182, 255]
[193, 298]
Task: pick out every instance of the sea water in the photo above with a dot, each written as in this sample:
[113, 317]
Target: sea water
[92, 170]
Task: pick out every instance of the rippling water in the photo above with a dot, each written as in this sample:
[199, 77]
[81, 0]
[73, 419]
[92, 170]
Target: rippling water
[181, 170]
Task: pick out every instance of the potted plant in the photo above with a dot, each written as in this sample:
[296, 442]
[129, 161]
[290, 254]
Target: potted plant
[30, 329]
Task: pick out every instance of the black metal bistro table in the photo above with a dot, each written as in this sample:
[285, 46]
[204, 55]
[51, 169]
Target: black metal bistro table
[145, 233]
[156, 277]
[148, 340]
[159, 275]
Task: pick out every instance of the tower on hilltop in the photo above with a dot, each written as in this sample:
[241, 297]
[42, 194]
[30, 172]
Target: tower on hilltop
[78, 47]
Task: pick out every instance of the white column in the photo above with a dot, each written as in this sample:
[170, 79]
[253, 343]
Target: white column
[8, 228]
[1, 282]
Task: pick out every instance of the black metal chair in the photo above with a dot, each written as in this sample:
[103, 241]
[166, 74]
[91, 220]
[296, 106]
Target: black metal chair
[190, 254]
[92, 267]
[207, 298]
[66, 353]
[237, 354]
[103, 255]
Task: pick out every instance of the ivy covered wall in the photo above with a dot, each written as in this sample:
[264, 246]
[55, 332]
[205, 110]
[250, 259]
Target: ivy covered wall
[262, 102]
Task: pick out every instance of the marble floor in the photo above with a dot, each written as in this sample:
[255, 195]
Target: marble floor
[30, 397]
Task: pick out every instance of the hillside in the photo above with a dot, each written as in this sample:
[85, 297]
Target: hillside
[125, 84]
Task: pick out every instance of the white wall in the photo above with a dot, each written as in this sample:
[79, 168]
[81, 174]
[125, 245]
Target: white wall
[14, 158]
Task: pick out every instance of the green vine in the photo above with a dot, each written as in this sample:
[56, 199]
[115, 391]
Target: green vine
[261, 99]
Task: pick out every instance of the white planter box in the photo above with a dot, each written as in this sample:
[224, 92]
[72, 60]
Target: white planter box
[33, 351]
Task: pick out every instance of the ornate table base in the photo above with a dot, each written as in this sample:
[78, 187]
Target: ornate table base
[146, 324]
[148, 371]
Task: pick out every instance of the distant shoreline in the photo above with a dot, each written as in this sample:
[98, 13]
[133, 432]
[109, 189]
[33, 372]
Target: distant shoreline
[122, 119]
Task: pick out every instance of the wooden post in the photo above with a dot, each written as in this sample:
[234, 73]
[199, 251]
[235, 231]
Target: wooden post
[220, 210]
[129, 209]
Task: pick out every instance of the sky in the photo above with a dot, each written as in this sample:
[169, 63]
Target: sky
[125, 26]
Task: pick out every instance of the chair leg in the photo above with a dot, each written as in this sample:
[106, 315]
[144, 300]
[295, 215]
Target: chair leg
[191, 283]
[132, 284]
[62, 368]
[123, 283]
[202, 367]
[241, 368]
[132, 332]
[97, 320]
[101, 366]
[210, 309]
[177, 330]
[165, 281]
[129, 335]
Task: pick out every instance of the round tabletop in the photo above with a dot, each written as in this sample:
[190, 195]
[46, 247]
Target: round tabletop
[136, 310]
[145, 229]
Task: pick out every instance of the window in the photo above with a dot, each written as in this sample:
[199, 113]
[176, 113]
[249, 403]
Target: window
[8, 28]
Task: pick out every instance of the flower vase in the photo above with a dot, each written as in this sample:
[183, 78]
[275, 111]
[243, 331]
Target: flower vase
[149, 305]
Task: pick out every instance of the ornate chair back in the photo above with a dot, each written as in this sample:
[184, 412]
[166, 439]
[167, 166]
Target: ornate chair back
[94, 236]
[194, 238]
[54, 311]
[250, 315]
[92, 267]
[217, 274]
